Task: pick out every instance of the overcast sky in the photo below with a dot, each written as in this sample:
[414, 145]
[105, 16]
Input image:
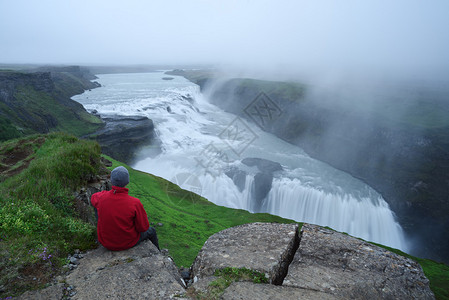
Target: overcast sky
[363, 33]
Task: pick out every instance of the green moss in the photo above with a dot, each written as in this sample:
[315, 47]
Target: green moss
[224, 278]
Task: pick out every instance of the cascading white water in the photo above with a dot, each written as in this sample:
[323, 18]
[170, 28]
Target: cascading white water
[361, 217]
[188, 126]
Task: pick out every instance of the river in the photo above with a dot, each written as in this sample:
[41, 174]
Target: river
[200, 143]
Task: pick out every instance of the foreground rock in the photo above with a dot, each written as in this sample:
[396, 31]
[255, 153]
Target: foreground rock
[263, 247]
[318, 263]
[337, 264]
[248, 290]
[326, 265]
[138, 273]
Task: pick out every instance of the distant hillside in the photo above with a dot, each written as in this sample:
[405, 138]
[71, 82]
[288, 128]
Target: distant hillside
[38, 101]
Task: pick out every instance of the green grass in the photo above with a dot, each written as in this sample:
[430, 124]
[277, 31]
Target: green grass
[224, 278]
[39, 226]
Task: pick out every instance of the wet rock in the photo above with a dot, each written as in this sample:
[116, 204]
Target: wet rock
[338, 264]
[264, 165]
[264, 247]
[262, 186]
[123, 136]
[238, 177]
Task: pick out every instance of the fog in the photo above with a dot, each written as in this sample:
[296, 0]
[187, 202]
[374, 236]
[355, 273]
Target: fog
[402, 36]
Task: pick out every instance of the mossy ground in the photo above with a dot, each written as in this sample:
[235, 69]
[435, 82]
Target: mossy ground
[224, 278]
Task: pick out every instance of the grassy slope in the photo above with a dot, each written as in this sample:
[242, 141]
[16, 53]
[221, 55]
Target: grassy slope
[38, 225]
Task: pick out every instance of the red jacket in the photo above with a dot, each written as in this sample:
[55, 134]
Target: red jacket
[121, 218]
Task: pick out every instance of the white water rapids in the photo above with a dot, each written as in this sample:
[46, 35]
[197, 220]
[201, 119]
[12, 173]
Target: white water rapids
[198, 147]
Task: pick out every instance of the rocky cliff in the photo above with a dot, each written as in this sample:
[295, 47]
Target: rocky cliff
[406, 163]
[123, 136]
[38, 101]
[313, 263]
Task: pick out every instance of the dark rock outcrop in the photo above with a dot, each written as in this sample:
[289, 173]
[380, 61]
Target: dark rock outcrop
[264, 165]
[238, 177]
[262, 186]
[123, 136]
[263, 178]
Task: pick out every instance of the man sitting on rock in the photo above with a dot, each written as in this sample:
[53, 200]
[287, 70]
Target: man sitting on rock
[122, 221]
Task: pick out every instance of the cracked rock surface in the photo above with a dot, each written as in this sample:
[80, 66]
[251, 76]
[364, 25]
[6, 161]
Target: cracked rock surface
[341, 265]
[264, 247]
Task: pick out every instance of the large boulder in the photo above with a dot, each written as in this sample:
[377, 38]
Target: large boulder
[141, 272]
[341, 265]
[137, 273]
[264, 247]
[326, 265]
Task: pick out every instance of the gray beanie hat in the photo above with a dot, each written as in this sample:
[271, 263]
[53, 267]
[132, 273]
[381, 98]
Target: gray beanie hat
[120, 176]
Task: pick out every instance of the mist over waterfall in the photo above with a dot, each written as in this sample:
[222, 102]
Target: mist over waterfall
[199, 152]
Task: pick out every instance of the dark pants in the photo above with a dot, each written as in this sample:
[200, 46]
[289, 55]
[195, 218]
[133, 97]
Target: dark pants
[151, 235]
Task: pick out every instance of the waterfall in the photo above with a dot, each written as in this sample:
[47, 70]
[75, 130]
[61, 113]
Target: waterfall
[361, 217]
[306, 190]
